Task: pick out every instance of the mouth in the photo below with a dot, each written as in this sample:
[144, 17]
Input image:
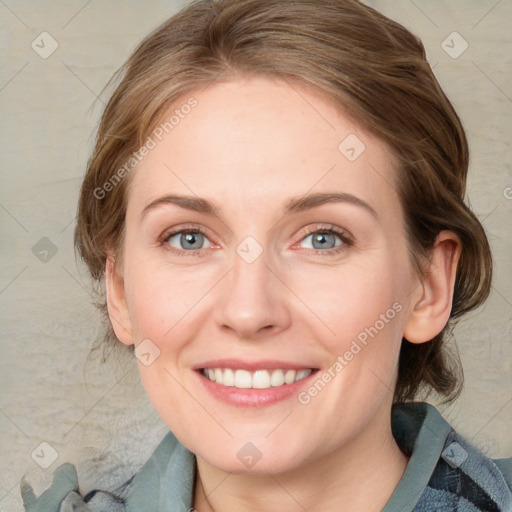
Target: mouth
[253, 384]
[259, 379]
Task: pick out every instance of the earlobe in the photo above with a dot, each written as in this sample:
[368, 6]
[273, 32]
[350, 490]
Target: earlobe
[433, 302]
[116, 302]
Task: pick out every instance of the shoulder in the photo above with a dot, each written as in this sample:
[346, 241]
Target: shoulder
[505, 466]
[170, 461]
[445, 471]
[465, 477]
[166, 478]
[64, 495]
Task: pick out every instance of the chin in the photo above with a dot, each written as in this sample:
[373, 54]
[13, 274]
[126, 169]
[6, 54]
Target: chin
[254, 457]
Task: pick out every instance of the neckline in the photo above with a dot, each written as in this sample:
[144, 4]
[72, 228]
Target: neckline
[425, 439]
[167, 479]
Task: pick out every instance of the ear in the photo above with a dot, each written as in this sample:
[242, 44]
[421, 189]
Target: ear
[433, 301]
[116, 302]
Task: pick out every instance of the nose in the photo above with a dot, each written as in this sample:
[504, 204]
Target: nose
[254, 302]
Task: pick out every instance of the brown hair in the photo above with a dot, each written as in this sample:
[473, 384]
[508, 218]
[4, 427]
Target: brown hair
[365, 63]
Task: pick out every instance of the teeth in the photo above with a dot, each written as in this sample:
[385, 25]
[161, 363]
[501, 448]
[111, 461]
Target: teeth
[228, 379]
[260, 379]
[277, 378]
[242, 378]
[289, 376]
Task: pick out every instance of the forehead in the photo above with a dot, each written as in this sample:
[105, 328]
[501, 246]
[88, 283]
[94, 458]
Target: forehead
[254, 141]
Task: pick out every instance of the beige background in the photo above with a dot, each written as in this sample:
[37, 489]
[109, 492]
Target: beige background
[49, 111]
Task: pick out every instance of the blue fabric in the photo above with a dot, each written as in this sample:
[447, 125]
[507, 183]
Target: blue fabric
[64, 482]
[445, 473]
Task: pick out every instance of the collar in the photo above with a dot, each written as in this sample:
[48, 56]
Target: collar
[421, 432]
[444, 470]
[166, 481]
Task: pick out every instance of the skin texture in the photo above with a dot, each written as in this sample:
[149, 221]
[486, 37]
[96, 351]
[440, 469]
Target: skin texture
[249, 146]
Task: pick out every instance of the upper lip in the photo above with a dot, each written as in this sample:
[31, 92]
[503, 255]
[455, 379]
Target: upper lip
[238, 364]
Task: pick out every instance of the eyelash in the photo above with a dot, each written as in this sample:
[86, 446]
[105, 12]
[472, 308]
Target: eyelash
[344, 237]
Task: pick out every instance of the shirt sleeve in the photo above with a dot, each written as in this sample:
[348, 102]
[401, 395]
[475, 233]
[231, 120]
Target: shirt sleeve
[505, 466]
[63, 496]
[64, 482]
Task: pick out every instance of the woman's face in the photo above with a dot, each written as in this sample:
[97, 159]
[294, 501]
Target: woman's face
[295, 268]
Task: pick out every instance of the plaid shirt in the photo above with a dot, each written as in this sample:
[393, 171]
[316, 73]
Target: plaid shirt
[445, 473]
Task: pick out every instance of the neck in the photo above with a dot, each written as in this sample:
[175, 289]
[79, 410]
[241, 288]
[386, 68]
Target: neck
[361, 475]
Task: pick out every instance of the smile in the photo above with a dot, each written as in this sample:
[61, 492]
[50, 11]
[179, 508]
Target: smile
[259, 379]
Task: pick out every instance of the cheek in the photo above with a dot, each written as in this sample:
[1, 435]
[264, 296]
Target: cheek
[160, 297]
[353, 299]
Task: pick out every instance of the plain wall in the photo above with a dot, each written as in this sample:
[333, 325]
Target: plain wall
[48, 114]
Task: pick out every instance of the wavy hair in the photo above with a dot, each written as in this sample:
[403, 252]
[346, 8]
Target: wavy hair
[368, 65]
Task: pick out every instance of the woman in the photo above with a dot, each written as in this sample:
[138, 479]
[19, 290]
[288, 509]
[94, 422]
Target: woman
[275, 207]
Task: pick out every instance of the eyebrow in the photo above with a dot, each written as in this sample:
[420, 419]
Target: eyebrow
[293, 205]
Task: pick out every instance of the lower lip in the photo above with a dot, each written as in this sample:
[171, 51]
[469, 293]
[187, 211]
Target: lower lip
[253, 397]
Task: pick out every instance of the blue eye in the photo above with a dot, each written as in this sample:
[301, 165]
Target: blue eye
[323, 240]
[188, 240]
